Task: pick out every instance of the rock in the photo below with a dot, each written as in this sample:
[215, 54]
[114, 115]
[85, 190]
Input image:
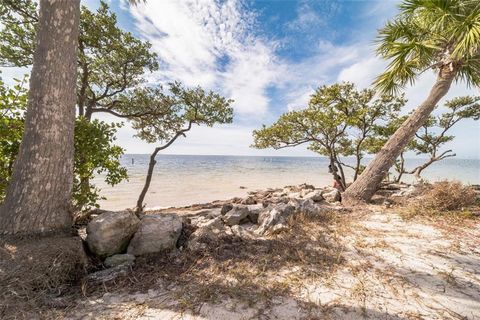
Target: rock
[226, 207]
[249, 200]
[119, 259]
[405, 192]
[109, 274]
[214, 224]
[277, 215]
[294, 195]
[331, 195]
[156, 232]
[110, 232]
[206, 233]
[254, 211]
[314, 195]
[236, 216]
[244, 230]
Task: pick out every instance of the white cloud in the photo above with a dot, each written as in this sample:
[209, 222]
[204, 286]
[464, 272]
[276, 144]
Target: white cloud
[306, 18]
[209, 43]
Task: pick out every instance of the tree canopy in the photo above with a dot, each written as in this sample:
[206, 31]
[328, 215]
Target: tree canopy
[430, 34]
[338, 121]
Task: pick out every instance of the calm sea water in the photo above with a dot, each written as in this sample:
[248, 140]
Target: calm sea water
[183, 179]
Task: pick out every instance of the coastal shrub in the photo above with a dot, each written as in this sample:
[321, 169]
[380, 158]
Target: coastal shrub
[444, 197]
[449, 196]
[95, 151]
[13, 102]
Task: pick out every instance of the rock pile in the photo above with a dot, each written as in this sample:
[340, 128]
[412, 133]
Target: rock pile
[120, 236]
[262, 213]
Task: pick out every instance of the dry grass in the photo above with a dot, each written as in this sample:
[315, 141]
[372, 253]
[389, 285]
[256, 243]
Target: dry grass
[34, 271]
[246, 270]
[446, 199]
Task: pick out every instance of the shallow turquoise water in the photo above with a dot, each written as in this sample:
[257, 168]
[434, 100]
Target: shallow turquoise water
[184, 179]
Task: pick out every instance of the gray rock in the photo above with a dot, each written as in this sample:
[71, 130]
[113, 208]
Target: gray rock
[109, 274]
[254, 211]
[331, 195]
[237, 215]
[119, 259]
[244, 230]
[249, 200]
[277, 215]
[226, 207]
[156, 232]
[314, 195]
[110, 232]
[206, 233]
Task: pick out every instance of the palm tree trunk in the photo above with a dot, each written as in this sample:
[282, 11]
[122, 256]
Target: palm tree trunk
[367, 184]
[38, 198]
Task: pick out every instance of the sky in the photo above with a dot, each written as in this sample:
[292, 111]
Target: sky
[268, 56]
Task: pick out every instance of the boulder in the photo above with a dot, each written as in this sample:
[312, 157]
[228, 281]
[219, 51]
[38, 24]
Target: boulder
[275, 216]
[238, 215]
[110, 232]
[254, 211]
[119, 259]
[206, 233]
[249, 200]
[331, 195]
[156, 232]
[226, 207]
[314, 195]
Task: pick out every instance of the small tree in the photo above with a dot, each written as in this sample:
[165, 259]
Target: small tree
[338, 121]
[179, 111]
[433, 134]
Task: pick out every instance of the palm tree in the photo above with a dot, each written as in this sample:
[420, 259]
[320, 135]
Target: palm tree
[443, 35]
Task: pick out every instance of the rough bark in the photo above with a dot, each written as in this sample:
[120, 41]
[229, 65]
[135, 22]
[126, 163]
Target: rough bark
[367, 183]
[38, 199]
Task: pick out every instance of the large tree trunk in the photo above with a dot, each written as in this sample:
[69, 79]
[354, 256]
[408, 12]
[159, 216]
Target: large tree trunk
[38, 199]
[367, 184]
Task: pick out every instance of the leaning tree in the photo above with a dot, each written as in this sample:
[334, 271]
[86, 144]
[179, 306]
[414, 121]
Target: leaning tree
[179, 109]
[426, 34]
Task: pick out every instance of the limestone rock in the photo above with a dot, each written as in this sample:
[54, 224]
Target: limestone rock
[226, 207]
[237, 215]
[314, 195]
[249, 200]
[156, 232]
[110, 232]
[331, 195]
[277, 215]
[119, 259]
[206, 233]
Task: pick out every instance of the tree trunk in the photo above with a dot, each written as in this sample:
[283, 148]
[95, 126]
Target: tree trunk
[367, 184]
[401, 170]
[38, 199]
[151, 165]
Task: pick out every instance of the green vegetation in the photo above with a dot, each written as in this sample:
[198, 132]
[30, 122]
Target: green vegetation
[339, 121]
[13, 102]
[180, 110]
[112, 67]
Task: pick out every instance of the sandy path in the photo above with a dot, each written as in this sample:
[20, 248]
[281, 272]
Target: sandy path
[394, 269]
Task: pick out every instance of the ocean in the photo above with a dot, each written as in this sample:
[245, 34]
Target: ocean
[181, 180]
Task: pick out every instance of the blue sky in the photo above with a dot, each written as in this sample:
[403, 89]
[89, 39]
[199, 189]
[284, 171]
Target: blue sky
[268, 56]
